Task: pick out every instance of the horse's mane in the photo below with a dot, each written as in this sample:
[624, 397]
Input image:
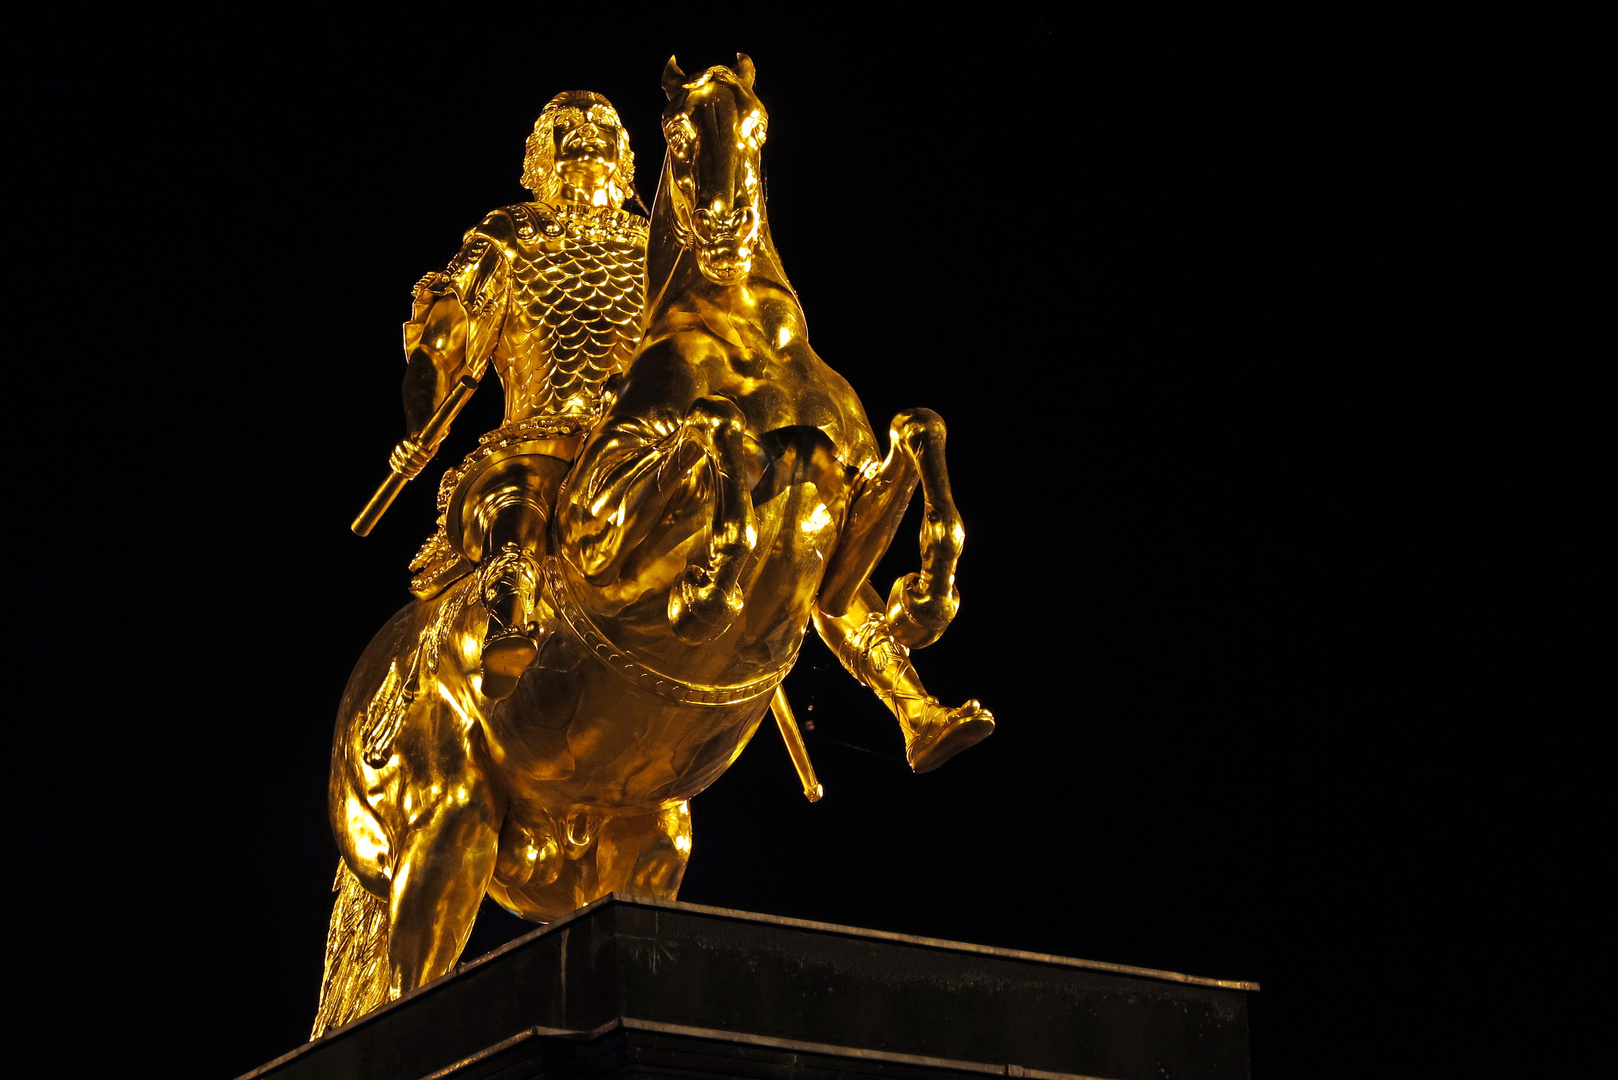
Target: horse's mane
[718, 71]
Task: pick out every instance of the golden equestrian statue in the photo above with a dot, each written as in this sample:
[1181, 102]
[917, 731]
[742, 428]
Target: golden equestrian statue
[624, 570]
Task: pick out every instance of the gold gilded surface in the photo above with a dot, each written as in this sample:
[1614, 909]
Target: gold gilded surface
[624, 571]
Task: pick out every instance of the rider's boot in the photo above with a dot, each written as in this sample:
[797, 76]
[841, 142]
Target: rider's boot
[508, 583]
[865, 645]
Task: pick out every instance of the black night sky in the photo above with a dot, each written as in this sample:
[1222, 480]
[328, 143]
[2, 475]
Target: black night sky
[1269, 352]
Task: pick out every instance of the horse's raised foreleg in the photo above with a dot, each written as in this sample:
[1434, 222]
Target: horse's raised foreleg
[873, 640]
[706, 599]
[623, 485]
[920, 606]
[627, 480]
[875, 510]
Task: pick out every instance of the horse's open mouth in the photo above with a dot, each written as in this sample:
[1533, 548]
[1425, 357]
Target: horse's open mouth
[725, 263]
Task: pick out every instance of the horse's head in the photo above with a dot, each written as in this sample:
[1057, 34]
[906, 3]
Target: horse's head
[715, 130]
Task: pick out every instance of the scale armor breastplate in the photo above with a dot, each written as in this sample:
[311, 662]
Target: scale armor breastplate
[573, 317]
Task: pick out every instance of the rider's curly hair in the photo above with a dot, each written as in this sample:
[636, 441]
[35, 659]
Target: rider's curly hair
[539, 162]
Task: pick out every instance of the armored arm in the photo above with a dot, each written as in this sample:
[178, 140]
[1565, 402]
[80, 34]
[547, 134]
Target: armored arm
[432, 365]
[454, 326]
[455, 321]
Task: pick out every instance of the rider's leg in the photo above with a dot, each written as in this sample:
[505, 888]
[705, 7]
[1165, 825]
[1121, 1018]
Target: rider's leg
[864, 643]
[509, 583]
[444, 863]
[506, 518]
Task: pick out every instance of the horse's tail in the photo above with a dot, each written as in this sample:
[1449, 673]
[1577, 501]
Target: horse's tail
[356, 979]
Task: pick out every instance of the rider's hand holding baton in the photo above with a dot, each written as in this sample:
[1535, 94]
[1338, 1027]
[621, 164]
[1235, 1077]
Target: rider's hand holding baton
[412, 455]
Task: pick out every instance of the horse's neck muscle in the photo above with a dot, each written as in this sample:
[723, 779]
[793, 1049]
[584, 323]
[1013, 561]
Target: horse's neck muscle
[679, 297]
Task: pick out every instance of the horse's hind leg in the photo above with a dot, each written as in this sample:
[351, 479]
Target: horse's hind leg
[445, 850]
[864, 643]
[444, 867]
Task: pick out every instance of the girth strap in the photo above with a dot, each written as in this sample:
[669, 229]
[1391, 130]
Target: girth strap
[637, 673]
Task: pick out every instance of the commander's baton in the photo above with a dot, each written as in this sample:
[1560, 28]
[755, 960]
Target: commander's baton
[429, 436]
[795, 748]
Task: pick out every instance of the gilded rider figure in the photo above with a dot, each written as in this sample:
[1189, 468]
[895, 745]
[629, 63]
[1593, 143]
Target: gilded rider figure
[551, 292]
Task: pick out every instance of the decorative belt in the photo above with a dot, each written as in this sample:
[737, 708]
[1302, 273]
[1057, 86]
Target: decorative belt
[556, 428]
[638, 674]
[542, 426]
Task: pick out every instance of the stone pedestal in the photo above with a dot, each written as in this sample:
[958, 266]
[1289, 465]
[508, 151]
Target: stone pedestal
[627, 988]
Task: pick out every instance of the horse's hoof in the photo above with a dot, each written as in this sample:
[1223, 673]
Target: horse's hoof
[946, 732]
[698, 611]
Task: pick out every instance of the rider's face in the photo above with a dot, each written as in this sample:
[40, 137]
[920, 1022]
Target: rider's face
[587, 141]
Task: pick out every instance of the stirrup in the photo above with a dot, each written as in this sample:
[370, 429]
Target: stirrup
[946, 732]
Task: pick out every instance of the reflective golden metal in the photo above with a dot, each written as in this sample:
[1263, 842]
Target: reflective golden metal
[428, 439]
[795, 748]
[622, 571]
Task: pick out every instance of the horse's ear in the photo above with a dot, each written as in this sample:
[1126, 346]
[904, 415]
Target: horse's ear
[673, 78]
[744, 70]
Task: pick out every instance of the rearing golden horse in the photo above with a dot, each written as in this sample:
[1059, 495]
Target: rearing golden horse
[732, 493]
